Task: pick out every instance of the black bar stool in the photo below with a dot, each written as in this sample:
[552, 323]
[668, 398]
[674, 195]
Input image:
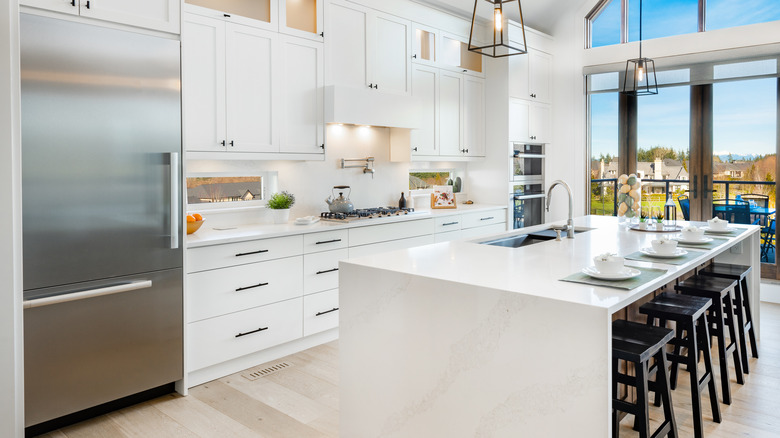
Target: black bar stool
[741, 305]
[721, 317]
[690, 316]
[637, 343]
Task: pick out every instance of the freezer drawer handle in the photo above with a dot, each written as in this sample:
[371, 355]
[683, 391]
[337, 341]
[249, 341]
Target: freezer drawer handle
[253, 331]
[327, 311]
[329, 270]
[328, 241]
[251, 287]
[241, 254]
[91, 293]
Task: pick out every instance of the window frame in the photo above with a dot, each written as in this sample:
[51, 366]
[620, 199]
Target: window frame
[269, 183]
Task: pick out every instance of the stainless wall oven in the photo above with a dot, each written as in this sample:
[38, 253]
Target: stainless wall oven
[527, 200]
[527, 162]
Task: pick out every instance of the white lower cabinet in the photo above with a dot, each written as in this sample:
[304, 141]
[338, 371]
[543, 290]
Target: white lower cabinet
[320, 312]
[448, 236]
[473, 233]
[321, 270]
[216, 340]
[376, 248]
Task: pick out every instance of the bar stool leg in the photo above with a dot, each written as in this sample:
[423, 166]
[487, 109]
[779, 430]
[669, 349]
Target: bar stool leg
[704, 336]
[738, 301]
[692, 362]
[749, 316]
[716, 312]
[662, 386]
[642, 419]
[615, 413]
[732, 324]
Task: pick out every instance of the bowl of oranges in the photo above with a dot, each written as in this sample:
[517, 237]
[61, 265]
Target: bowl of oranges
[194, 221]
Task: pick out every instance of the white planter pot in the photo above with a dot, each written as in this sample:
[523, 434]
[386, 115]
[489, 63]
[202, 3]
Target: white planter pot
[280, 215]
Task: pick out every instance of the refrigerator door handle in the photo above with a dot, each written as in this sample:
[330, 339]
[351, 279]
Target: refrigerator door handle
[91, 293]
[175, 199]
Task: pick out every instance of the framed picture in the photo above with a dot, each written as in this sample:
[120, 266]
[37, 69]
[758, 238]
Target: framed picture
[442, 197]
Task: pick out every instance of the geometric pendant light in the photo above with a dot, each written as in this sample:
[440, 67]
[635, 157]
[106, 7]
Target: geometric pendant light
[500, 45]
[640, 79]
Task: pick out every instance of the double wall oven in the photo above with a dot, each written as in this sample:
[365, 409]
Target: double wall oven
[527, 185]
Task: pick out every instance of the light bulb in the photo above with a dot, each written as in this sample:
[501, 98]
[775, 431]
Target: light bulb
[640, 71]
[498, 18]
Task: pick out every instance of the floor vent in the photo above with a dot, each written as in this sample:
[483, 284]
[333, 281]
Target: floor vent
[267, 371]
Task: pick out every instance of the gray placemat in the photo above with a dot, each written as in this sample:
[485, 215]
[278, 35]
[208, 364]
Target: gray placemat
[648, 275]
[681, 260]
[716, 241]
[736, 232]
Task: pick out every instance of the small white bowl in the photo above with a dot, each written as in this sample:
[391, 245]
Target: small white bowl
[717, 224]
[664, 246]
[692, 233]
[612, 264]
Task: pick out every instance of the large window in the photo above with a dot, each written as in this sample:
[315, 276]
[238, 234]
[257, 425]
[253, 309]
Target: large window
[662, 18]
[605, 26]
[603, 152]
[729, 13]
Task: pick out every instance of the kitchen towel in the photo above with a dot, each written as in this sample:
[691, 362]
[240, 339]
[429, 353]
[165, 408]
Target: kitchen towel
[647, 275]
[642, 257]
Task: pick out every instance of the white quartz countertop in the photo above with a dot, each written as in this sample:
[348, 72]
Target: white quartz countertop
[536, 269]
[206, 235]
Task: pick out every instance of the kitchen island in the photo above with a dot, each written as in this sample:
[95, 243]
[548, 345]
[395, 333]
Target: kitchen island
[472, 340]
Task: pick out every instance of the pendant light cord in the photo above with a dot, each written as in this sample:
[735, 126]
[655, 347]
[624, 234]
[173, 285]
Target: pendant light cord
[640, 29]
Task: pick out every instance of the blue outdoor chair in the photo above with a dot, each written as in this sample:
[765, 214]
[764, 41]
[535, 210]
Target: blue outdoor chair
[685, 206]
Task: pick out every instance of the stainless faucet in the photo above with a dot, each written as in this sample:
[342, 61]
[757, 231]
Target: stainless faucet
[570, 222]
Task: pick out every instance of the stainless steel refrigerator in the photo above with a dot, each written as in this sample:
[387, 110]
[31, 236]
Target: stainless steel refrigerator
[101, 140]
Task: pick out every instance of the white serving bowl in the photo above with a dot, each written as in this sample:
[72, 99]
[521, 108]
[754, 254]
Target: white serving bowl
[664, 246]
[609, 265]
[692, 233]
[717, 224]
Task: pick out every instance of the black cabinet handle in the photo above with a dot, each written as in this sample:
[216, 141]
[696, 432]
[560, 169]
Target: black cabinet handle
[376, 86]
[322, 34]
[448, 224]
[328, 241]
[327, 311]
[487, 218]
[223, 143]
[465, 151]
[414, 56]
[371, 85]
[87, 4]
[73, 2]
[414, 149]
[322, 146]
[231, 143]
[329, 270]
[226, 15]
[464, 71]
[253, 331]
[241, 254]
[251, 287]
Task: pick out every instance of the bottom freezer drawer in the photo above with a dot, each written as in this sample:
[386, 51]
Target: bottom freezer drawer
[226, 337]
[86, 352]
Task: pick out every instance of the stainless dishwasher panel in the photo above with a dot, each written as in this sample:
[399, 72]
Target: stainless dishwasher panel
[92, 350]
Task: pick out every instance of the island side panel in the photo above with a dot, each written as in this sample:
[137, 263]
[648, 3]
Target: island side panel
[421, 357]
[748, 253]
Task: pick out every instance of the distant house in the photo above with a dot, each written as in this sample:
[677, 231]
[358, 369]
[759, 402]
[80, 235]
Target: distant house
[661, 169]
[735, 170]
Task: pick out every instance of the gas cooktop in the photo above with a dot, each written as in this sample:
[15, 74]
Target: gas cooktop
[366, 213]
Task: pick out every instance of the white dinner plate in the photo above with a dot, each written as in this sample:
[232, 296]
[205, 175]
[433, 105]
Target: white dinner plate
[623, 275]
[651, 252]
[701, 241]
[727, 230]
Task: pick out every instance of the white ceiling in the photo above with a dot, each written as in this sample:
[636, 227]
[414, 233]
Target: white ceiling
[537, 14]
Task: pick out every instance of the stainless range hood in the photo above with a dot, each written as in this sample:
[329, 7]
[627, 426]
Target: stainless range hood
[357, 106]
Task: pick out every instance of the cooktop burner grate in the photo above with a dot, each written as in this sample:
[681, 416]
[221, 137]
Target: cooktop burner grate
[366, 213]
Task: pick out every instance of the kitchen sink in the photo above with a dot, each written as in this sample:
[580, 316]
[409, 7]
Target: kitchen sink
[521, 240]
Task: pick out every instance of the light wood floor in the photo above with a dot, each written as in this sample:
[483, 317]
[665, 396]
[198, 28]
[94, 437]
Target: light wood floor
[302, 401]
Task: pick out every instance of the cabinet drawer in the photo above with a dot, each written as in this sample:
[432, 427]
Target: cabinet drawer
[482, 218]
[447, 223]
[221, 291]
[473, 233]
[321, 270]
[316, 242]
[448, 236]
[320, 312]
[241, 253]
[386, 232]
[216, 340]
[365, 250]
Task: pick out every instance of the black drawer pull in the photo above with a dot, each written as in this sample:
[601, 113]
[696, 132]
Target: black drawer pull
[253, 331]
[327, 311]
[251, 287]
[329, 270]
[448, 224]
[241, 254]
[328, 241]
[487, 218]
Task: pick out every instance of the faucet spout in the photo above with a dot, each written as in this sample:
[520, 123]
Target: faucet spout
[570, 222]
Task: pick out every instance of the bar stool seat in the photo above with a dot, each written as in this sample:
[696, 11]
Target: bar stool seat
[637, 343]
[721, 318]
[741, 305]
[691, 332]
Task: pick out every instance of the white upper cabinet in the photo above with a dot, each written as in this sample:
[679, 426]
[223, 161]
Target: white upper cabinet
[369, 49]
[518, 120]
[303, 128]
[455, 55]
[450, 113]
[425, 86]
[160, 15]
[425, 43]
[302, 18]
[529, 76]
[261, 14]
[529, 122]
[473, 116]
[540, 123]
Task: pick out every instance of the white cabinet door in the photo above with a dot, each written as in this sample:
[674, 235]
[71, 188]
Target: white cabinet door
[151, 14]
[64, 6]
[455, 55]
[251, 104]
[518, 120]
[450, 114]
[540, 128]
[302, 18]
[348, 54]
[389, 47]
[518, 77]
[203, 83]
[425, 86]
[425, 42]
[539, 76]
[474, 116]
[303, 123]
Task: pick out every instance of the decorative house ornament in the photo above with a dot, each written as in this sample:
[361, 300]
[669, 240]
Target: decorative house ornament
[640, 79]
[500, 46]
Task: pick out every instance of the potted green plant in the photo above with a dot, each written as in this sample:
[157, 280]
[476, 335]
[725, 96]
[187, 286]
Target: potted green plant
[659, 221]
[643, 216]
[280, 204]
